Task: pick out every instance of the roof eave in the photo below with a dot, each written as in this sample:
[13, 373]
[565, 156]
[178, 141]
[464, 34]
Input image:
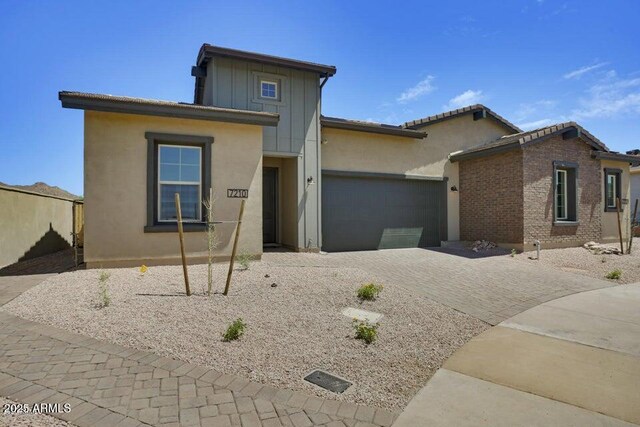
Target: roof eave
[459, 157]
[473, 109]
[606, 155]
[363, 127]
[79, 102]
[208, 51]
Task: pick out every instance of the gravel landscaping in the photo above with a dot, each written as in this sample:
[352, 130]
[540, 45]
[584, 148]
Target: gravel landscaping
[581, 261]
[292, 328]
[28, 420]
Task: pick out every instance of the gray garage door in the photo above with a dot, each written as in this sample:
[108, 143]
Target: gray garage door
[363, 212]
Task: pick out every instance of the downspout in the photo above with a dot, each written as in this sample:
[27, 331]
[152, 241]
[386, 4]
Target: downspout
[319, 157]
[326, 78]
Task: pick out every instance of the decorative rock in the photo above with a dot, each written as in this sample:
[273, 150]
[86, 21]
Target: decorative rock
[482, 245]
[599, 249]
[273, 285]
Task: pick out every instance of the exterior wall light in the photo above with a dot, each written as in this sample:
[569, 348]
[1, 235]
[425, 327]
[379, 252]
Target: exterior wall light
[454, 188]
[310, 181]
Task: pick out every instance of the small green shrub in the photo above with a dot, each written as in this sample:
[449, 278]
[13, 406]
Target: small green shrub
[513, 253]
[368, 332]
[235, 330]
[614, 275]
[244, 260]
[103, 290]
[369, 291]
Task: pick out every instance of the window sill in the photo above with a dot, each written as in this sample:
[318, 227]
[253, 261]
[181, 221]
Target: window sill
[613, 209]
[173, 228]
[566, 223]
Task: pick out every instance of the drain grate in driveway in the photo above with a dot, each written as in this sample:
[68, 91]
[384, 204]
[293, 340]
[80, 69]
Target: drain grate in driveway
[328, 381]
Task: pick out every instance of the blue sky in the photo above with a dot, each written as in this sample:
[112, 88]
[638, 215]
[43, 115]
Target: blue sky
[534, 62]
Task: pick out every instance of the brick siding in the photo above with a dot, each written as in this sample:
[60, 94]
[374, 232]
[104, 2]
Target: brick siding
[538, 193]
[491, 198]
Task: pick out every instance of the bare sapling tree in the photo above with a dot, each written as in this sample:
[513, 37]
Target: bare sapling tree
[212, 238]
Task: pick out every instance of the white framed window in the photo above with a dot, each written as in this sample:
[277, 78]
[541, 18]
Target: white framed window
[561, 195]
[268, 89]
[612, 185]
[612, 189]
[179, 171]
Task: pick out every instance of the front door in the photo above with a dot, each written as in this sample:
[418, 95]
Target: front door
[269, 205]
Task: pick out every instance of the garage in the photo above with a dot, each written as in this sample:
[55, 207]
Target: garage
[368, 211]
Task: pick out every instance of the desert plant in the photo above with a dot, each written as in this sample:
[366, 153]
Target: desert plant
[513, 253]
[614, 275]
[244, 260]
[369, 291]
[365, 331]
[212, 238]
[234, 330]
[103, 290]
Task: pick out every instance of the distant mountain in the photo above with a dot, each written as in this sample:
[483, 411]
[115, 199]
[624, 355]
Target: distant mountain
[44, 188]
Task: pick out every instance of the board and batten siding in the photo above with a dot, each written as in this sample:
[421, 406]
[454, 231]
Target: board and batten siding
[233, 83]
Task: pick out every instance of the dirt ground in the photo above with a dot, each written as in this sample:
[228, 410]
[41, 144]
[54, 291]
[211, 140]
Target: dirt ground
[581, 261]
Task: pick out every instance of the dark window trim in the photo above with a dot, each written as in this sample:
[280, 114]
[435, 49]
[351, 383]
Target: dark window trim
[573, 219]
[618, 173]
[153, 140]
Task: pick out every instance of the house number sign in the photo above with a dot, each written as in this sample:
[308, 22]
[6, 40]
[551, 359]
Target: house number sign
[237, 193]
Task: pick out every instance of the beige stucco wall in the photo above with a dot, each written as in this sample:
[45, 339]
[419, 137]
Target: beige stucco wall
[610, 219]
[32, 225]
[634, 188]
[115, 164]
[369, 152]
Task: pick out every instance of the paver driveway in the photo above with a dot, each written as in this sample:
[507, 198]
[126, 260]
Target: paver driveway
[491, 288]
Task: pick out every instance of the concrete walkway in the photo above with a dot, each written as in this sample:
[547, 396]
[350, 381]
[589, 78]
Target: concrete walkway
[110, 385]
[574, 361]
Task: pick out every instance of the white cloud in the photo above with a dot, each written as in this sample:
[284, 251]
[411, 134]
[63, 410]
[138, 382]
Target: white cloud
[609, 97]
[535, 124]
[576, 74]
[422, 88]
[466, 98]
[526, 110]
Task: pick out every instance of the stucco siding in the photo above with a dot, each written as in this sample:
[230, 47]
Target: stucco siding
[32, 225]
[610, 219]
[116, 189]
[634, 189]
[368, 152]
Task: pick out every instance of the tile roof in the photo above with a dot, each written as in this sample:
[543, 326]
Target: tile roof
[362, 126]
[460, 111]
[523, 138]
[155, 107]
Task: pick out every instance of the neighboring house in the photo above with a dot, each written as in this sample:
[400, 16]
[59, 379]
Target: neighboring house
[255, 129]
[635, 188]
[558, 185]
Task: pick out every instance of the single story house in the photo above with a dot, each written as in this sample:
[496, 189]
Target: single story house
[635, 182]
[255, 130]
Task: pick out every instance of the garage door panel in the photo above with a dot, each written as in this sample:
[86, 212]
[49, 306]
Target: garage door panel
[362, 213]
